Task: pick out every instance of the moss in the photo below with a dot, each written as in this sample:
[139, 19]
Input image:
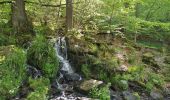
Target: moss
[40, 89]
[42, 55]
[12, 72]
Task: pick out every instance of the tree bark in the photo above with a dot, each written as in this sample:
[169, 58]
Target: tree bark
[19, 18]
[69, 15]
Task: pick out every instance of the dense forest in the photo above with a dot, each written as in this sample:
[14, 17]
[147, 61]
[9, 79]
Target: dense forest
[84, 49]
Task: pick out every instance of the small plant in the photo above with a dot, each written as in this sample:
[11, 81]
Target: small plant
[102, 93]
[12, 72]
[41, 54]
[120, 82]
[102, 75]
[40, 88]
[85, 70]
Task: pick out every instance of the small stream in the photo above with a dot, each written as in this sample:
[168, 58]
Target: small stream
[67, 76]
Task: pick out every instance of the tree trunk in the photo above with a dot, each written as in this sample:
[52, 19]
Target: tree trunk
[19, 18]
[69, 15]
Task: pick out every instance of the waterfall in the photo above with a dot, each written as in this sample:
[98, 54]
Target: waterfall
[66, 72]
[61, 52]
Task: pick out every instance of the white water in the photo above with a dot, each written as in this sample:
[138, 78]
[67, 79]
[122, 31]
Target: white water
[61, 51]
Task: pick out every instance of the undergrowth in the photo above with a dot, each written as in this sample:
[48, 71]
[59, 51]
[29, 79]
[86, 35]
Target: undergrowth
[12, 73]
[42, 55]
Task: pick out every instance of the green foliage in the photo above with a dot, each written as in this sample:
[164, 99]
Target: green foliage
[102, 93]
[85, 70]
[154, 80]
[40, 88]
[136, 95]
[12, 72]
[42, 55]
[154, 31]
[120, 82]
[102, 75]
[6, 40]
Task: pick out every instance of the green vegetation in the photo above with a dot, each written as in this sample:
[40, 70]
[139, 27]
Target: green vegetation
[42, 55]
[12, 72]
[101, 93]
[116, 41]
[40, 88]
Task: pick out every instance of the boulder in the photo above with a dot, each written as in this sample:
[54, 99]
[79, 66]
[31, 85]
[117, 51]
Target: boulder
[72, 77]
[87, 85]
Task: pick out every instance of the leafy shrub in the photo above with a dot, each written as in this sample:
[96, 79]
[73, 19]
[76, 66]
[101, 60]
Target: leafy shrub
[40, 89]
[102, 93]
[42, 55]
[12, 72]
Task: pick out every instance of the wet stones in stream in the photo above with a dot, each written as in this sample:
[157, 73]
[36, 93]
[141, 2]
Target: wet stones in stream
[33, 72]
[73, 77]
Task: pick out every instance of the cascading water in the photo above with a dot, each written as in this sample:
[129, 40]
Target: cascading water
[66, 73]
[61, 51]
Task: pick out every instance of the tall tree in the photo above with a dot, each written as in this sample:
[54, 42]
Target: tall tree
[69, 15]
[19, 18]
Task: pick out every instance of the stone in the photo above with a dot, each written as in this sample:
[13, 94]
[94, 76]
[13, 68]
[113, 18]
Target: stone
[87, 85]
[156, 95]
[72, 77]
[123, 68]
[115, 95]
[127, 95]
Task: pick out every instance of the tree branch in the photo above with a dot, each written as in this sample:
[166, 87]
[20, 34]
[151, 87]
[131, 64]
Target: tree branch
[36, 3]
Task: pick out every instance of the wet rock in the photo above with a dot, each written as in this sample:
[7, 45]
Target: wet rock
[87, 85]
[127, 95]
[156, 95]
[33, 72]
[72, 77]
[115, 95]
